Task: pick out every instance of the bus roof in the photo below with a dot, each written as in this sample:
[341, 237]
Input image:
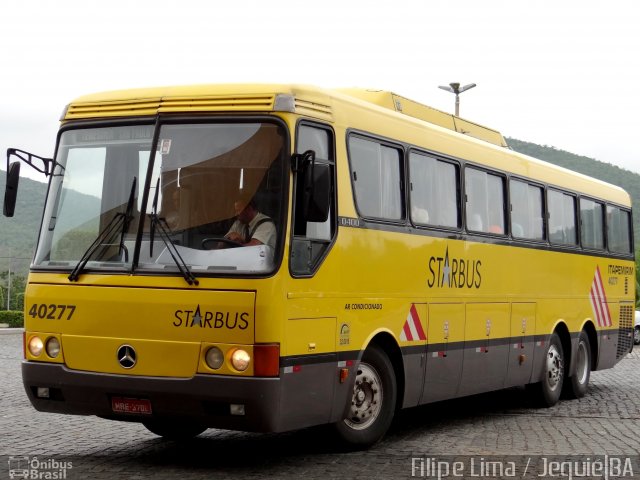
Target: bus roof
[478, 143]
[414, 109]
[259, 97]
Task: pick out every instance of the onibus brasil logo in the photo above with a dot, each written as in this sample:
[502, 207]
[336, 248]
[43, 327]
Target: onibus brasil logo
[35, 468]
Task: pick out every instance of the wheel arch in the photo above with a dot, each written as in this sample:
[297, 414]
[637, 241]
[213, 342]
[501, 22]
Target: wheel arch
[565, 339]
[386, 342]
[590, 329]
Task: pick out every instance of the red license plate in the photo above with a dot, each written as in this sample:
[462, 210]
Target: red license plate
[137, 406]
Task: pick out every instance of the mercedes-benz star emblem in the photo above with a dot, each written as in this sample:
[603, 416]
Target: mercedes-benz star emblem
[127, 356]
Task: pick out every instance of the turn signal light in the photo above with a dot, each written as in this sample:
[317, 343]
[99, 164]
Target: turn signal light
[35, 346]
[240, 359]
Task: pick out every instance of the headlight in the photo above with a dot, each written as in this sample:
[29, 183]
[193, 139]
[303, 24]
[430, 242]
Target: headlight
[35, 346]
[214, 358]
[53, 347]
[240, 360]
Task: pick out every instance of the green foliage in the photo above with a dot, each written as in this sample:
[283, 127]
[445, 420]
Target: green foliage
[638, 277]
[606, 172]
[73, 244]
[18, 234]
[18, 285]
[18, 301]
[13, 318]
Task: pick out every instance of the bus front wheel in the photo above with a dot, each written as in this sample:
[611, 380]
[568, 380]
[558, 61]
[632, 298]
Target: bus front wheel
[372, 403]
[174, 429]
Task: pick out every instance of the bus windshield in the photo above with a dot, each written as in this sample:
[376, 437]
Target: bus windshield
[212, 192]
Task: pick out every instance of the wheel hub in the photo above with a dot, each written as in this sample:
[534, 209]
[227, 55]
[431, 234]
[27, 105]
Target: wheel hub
[555, 367]
[582, 367]
[367, 398]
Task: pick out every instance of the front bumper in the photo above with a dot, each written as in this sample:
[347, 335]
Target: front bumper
[205, 399]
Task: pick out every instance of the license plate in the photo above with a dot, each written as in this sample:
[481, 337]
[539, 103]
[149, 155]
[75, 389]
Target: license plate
[138, 406]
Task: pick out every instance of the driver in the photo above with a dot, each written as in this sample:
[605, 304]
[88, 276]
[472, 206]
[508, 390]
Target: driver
[251, 227]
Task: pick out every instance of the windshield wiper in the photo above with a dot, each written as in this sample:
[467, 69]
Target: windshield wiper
[123, 252]
[164, 232]
[120, 219]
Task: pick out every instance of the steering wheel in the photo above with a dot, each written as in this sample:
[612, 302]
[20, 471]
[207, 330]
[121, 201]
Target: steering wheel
[230, 243]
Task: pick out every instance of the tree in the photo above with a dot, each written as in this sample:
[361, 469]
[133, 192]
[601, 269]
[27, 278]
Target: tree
[18, 286]
[638, 277]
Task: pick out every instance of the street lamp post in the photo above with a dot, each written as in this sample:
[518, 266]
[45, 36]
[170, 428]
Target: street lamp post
[457, 90]
[12, 271]
[9, 287]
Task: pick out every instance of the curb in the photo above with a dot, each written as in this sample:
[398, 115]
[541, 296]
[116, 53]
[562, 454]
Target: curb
[11, 331]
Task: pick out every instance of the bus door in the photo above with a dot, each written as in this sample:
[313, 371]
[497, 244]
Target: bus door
[444, 351]
[521, 348]
[486, 351]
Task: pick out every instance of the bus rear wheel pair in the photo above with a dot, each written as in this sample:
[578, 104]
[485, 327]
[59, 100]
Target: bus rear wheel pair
[375, 390]
[554, 382]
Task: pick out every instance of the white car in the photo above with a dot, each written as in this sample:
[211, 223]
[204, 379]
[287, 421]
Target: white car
[636, 330]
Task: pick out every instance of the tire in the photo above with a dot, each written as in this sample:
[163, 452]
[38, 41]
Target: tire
[547, 391]
[373, 403]
[174, 429]
[577, 385]
[636, 335]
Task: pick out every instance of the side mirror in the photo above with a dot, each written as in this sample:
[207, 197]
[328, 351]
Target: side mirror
[11, 189]
[318, 195]
[313, 194]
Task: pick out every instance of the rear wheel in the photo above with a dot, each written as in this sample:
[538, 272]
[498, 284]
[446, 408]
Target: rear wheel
[577, 386]
[174, 429]
[547, 391]
[636, 335]
[373, 402]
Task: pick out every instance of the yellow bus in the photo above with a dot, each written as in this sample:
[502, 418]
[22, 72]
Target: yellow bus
[272, 257]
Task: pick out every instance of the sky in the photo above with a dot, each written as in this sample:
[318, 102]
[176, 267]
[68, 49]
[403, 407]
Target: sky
[558, 73]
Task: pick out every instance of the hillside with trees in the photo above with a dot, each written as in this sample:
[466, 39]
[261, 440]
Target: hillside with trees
[18, 235]
[613, 174]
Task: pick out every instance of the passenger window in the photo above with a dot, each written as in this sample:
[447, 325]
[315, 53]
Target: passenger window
[434, 191]
[485, 202]
[591, 224]
[618, 230]
[376, 174]
[526, 210]
[562, 218]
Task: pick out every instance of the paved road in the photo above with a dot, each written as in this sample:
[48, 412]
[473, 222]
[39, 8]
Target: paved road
[500, 427]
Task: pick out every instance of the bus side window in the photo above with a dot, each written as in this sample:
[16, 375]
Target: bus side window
[312, 240]
[562, 218]
[376, 170]
[591, 224]
[433, 191]
[526, 210]
[485, 201]
[619, 230]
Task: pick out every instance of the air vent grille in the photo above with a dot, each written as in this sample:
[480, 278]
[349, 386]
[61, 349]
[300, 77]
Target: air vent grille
[313, 109]
[625, 330]
[152, 106]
